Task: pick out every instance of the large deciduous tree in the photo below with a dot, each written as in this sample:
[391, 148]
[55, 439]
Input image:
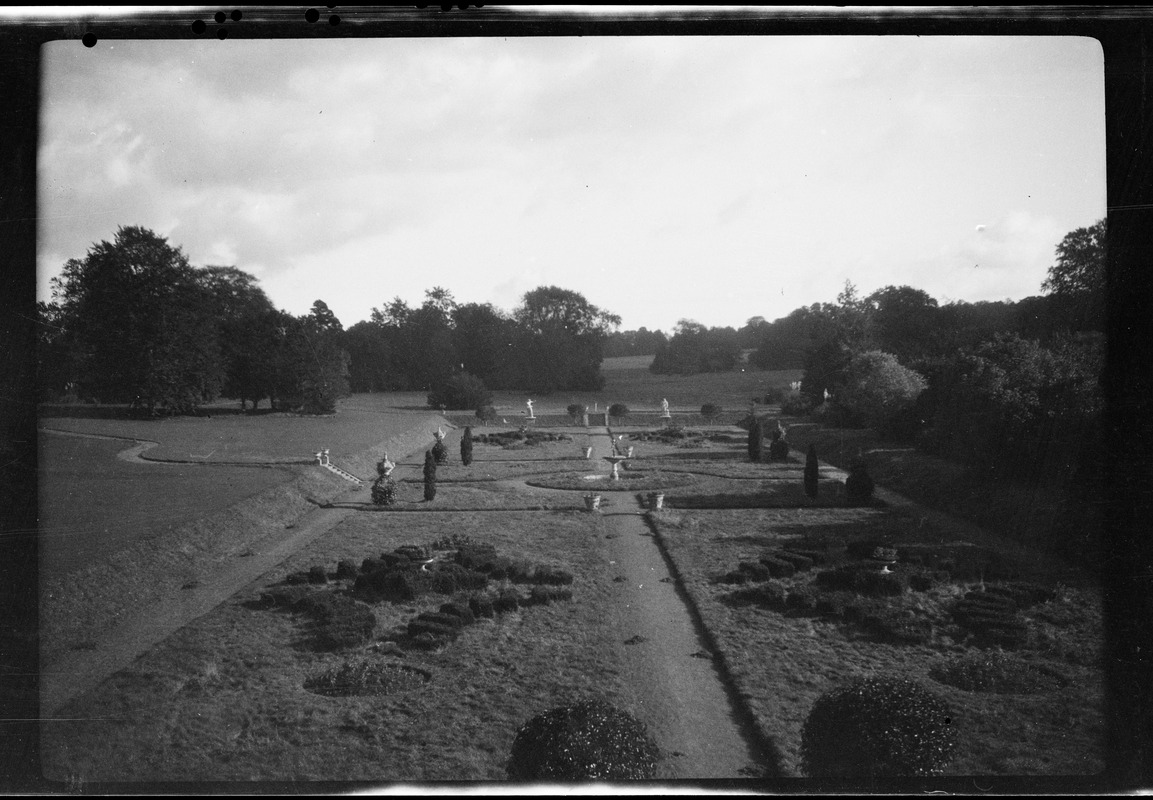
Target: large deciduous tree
[565, 335]
[141, 325]
[1077, 280]
[247, 329]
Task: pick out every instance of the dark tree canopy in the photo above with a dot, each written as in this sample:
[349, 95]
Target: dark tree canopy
[140, 324]
[1077, 281]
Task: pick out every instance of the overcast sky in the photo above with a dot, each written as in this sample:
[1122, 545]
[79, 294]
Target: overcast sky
[662, 177]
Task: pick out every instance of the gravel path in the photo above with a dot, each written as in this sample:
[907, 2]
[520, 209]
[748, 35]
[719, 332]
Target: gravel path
[682, 698]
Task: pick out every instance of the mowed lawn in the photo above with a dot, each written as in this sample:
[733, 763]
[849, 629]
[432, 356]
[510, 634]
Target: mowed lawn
[361, 422]
[93, 503]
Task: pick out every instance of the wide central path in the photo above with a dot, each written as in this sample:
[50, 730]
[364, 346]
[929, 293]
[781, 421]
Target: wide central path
[681, 696]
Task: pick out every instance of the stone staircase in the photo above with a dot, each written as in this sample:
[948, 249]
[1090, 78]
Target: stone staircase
[322, 460]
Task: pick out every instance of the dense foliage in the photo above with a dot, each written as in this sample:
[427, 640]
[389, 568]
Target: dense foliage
[877, 728]
[875, 390]
[134, 322]
[466, 447]
[460, 392]
[695, 348]
[590, 740]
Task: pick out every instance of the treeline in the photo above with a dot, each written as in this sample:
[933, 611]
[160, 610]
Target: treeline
[1010, 388]
[134, 322]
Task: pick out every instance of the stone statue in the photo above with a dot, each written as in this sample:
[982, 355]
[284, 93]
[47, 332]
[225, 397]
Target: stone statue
[529, 404]
[665, 407]
[439, 434]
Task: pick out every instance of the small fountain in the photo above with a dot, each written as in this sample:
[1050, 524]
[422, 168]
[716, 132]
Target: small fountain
[615, 461]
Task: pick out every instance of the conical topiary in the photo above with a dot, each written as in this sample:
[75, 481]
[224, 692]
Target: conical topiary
[429, 475]
[466, 446]
[756, 440]
[812, 472]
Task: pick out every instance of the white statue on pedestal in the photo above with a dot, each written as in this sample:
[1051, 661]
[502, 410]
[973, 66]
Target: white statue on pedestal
[664, 408]
[530, 414]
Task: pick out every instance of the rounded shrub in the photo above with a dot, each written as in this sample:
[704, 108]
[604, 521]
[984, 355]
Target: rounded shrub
[317, 575]
[590, 740]
[710, 411]
[383, 492]
[440, 452]
[460, 393]
[481, 605]
[345, 569]
[878, 728]
[618, 411]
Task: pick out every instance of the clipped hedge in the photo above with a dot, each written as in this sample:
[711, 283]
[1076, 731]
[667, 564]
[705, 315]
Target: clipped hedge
[343, 622]
[997, 672]
[777, 567]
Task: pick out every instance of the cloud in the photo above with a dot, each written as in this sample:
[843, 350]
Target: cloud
[356, 170]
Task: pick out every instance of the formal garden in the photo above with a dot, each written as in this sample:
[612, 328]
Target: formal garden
[464, 622]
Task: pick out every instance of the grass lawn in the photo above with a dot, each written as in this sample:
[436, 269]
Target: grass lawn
[223, 698]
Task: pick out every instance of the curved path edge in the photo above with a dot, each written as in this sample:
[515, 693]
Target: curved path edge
[78, 671]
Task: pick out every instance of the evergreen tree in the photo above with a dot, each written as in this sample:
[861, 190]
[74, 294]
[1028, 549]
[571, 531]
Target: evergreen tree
[429, 476]
[756, 440]
[811, 472]
[466, 446]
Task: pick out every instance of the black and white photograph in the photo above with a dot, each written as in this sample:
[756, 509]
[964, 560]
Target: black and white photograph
[553, 401]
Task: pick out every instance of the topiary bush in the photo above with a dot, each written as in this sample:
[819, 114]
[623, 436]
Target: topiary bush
[451, 578]
[440, 452]
[995, 671]
[577, 411]
[618, 411]
[710, 411]
[543, 595]
[756, 440]
[466, 446]
[878, 728]
[778, 568]
[317, 575]
[383, 492]
[766, 595]
[343, 622]
[755, 570]
[429, 476]
[345, 569]
[590, 740]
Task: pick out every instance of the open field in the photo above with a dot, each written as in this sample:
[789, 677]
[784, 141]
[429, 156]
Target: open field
[224, 697]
